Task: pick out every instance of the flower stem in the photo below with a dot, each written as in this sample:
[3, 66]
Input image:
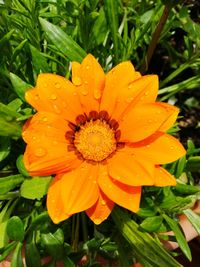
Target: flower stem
[76, 234]
[84, 227]
[155, 38]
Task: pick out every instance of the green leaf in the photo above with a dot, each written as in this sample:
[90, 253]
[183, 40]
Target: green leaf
[63, 42]
[10, 182]
[39, 61]
[35, 188]
[6, 38]
[185, 189]
[19, 86]
[179, 236]
[151, 224]
[4, 147]
[8, 112]
[20, 166]
[9, 128]
[144, 247]
[32, 255]
[193, 164]
[15, 229]
[17, 257]
[180, 166]
[111, 11]
[193, 218]
[100, 29]
[6, 250]
[53, 245]
[68, 263]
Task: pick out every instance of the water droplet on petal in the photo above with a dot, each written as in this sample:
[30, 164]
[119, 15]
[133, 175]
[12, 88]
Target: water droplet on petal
[103, 202]
[146, 93]
[147, 146]
[57, 85]
[150, 121]
[85, 82]
[44, 119]
[130, 86]
[87, 67]
[84, 92]
[75, 93]
[53, 97]
[94, 181]
[129, 100]
[34, 137]
[36, 97]
[97, 94]
[171, 147]
[56, 108]
[40, 152]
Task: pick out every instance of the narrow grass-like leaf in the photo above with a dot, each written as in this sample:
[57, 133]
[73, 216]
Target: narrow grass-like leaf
[193, 218]
[144, 247]
[62, 41]
[179, 236]
[193, 164]
[5, 147]
[111, 10]
[17, 257]
[19, 85]
[10, 182]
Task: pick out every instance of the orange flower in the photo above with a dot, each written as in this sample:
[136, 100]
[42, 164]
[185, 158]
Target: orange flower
[102, 136]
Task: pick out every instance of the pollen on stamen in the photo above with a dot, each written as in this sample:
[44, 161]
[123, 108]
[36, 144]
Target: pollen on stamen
[95, 140]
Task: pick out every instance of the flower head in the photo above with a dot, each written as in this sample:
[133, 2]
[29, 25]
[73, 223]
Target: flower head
[102, 136]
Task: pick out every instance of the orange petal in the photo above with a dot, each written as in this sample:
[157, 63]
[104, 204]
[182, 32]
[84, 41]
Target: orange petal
[163, 177]
[141, 91]
[127, 168]
[32, 97]
[116, 90]
[55, 205]
[101, 209]
[142, 121]
[79, 188]
[160, 148]
[90, 78]
[56, 94]
[171, 119]
[47, 151]
[124, 195]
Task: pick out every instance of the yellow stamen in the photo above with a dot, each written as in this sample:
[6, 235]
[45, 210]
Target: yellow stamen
[95, 140]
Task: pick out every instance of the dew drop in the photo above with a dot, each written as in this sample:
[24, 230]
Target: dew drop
[94, 182]
[40, 152]
[130, 86]
[57, 85]
[34, 137]
[56, 108]
[142, 98]
[53, 201]
[84, 92]
[146, 93]
[129, 100]
[85, 82]
[150, 121]
[74, 93]
[147, 146]
[87, 67]
[103, 202]
[36, 97]
[44, 119]
[171, 147]
[97, 94]
[53, 97]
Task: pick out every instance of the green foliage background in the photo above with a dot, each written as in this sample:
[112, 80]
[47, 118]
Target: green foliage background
[44, 36]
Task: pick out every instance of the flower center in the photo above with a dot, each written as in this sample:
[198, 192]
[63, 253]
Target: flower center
[95, 140]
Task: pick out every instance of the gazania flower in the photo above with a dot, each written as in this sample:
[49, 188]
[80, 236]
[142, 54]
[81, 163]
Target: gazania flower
[102, 136]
